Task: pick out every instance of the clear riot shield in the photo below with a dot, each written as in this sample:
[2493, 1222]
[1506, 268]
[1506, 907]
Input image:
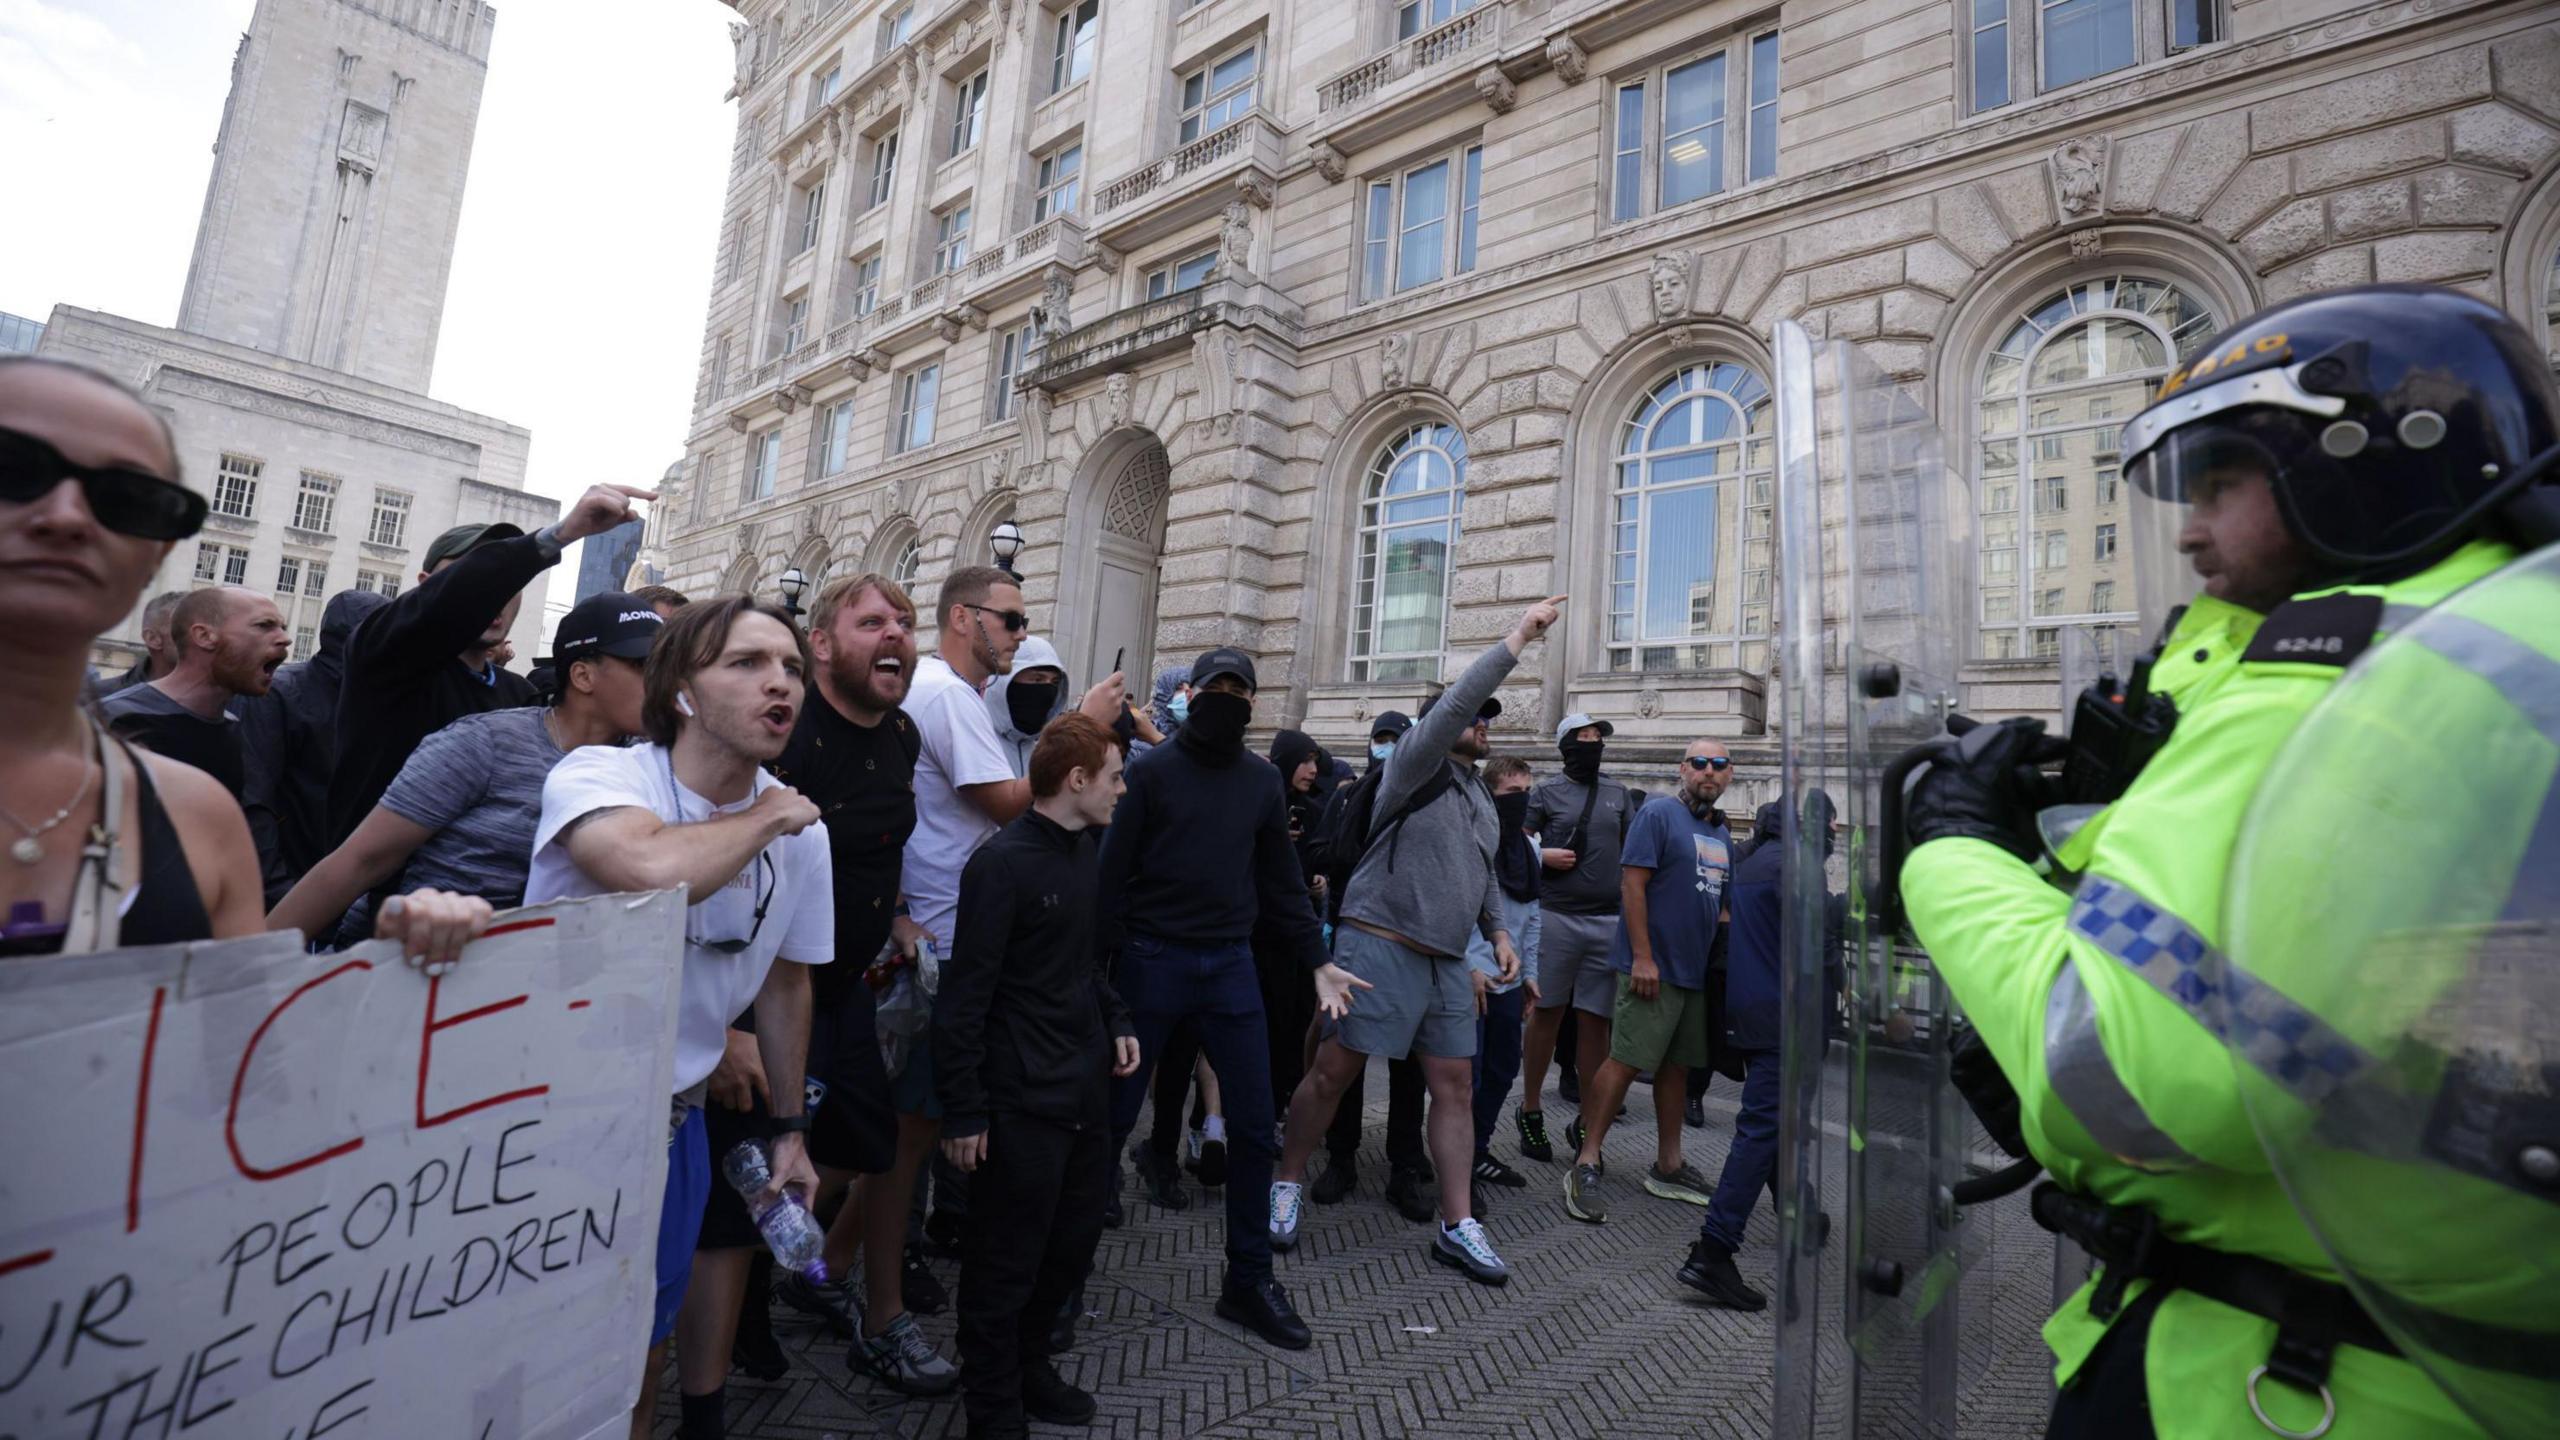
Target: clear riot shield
[2397, 1046]
[1893, 1308]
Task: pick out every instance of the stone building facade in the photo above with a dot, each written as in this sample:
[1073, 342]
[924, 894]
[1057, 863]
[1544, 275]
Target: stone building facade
[295, 378]
[1340, 332]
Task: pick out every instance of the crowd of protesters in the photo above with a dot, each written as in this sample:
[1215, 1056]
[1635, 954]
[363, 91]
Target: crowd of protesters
[952, 923]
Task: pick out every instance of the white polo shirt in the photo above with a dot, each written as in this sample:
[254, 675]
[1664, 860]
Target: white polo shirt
[959, 748]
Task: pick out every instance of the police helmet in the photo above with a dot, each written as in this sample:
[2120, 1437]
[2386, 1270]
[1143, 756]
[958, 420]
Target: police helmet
[2393, 421]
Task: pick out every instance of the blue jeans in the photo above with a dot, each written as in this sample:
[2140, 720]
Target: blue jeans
[1752, 1163]
[1214, 986]
[1497, 1058]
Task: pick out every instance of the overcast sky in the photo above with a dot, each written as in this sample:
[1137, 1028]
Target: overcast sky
[584, 259]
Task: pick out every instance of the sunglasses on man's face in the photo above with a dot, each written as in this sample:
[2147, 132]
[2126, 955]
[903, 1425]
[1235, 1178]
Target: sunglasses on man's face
[1015, 622]
[127, 501]
[1708, 762]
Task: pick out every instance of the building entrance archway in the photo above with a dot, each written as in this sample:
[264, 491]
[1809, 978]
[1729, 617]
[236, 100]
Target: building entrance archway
[1117, 545]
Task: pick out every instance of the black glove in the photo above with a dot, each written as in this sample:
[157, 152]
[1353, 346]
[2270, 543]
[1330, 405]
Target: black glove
[1983, 783]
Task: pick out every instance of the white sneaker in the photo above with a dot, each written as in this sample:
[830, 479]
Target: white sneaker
[1464, 1246]
[1284, 1214]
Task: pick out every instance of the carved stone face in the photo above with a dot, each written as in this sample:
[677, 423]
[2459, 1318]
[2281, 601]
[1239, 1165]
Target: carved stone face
[1670, 286]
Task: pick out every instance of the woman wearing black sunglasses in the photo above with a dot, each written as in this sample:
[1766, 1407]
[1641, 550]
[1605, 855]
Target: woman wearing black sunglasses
[107, 845]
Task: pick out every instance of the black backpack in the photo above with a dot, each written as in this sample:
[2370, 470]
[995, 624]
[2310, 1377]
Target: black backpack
[1344, 836]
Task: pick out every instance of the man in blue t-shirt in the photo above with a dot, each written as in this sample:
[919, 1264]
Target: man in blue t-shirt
[1672, 871]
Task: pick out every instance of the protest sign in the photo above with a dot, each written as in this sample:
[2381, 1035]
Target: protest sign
[249, 1191]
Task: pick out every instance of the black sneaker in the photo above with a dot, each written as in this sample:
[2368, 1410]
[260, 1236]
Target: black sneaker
[1162, 1179]
[1062, 1331]
[922, 1293]
[1263, 1308]
[1340, 1178]
[759, 1356]
[1113, 1217]
[1210, 1164]
[838, 1303]
[1494, 1172]
[1709, 1270]
[1410, 1192]
[1534, 1144]
[1694, 1114]
[1047, 1396]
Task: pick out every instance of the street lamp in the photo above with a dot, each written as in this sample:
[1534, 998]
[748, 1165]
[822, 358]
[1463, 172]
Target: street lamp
[1006, 541]
[791, 584]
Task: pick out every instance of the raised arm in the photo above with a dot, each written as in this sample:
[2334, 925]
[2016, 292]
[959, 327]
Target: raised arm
[628, 848]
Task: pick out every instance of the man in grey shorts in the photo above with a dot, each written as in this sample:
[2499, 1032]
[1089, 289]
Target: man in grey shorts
[1426, 882]
[1581, 819]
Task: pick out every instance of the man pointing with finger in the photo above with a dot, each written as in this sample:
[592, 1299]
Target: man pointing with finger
[722, 689]
[425, 660]
[1426, 882]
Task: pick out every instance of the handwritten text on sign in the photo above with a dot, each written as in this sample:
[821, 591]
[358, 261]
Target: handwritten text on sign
[253, 1192]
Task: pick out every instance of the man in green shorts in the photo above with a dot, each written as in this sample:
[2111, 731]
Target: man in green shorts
[1671, 883]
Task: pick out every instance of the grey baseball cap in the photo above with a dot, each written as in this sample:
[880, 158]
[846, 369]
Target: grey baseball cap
[1579, 721]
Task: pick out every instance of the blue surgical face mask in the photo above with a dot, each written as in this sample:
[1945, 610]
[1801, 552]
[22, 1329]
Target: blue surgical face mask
[1180, 705]
[1380, 750]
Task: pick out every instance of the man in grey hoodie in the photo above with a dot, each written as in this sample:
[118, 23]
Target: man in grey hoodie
[1027, 697]
[1426, 882]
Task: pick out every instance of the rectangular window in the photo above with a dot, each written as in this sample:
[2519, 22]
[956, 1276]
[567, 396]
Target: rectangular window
[1415, 16]
[1421, 230]
[2000, 606]
[1990, 54]
[1188, 273]
[1377, 241]
[1693, 131]
[235, 565]
[288, 575]
[2045, 642]
[2102, 596]
[795, 324]
[720, 366]
[2049, 447]
[315, 579]
[235, 487]
[1999, 562]
[2193, 23]
[1470, 192]
[2107, 487]
[866, 285]
[950, 239]
[968, 113]
[2053, 495]
[734, 254]
[2083, 38]
[825, 86]
[305, 641]
[835, 435]
[316, 507]
[917, 391]
[2105, 547]
[1059, 179]
[1013, 349]
[2057, 549]
[1627, 173]
[208, 560]
[897, 27]
[1071, 57]
[884, 167]
[379, 582]
[1219, 93]
[764, 455]
[813, 215]
[1764, 107]
[2049, 602]
[390, 518]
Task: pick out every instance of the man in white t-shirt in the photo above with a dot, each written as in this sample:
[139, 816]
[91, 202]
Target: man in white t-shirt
[695, 808]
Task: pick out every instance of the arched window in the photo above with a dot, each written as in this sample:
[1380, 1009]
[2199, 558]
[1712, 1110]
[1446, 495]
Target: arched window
[1690, 524]
[1408, 539]
[2051, 494]
[909, 564]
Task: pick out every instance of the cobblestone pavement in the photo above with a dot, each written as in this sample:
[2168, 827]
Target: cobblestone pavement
[1592, 1337]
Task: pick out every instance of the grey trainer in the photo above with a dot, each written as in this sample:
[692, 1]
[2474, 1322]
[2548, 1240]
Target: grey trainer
[902, 1359]
[1582, 1195]
[1684, 1184]
[1463, 1246]
[1285, 1208]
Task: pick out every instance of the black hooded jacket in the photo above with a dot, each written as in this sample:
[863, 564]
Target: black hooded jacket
[291, 736]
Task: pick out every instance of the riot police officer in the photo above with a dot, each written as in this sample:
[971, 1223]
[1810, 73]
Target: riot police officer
[2347, 460]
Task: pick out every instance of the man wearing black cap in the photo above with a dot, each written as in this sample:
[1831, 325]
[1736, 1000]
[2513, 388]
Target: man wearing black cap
[461, 814]
[1180, 914]
[1581, 818]
[423, 661]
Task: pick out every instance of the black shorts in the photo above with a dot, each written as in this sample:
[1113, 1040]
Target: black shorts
[726, 1225]
[852, 1124]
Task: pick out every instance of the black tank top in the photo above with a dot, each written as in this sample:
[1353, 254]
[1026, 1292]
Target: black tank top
[167, 908]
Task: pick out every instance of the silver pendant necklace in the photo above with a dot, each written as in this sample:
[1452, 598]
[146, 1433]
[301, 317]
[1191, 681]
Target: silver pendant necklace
[29, 848]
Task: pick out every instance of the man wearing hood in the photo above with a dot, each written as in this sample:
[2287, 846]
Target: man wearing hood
[291, 737]
[1751, 1032]
[1288, 996]
[1580, 820]
[1027, 697]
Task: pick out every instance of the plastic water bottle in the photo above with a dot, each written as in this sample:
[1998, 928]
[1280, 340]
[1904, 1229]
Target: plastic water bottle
[789, 1230]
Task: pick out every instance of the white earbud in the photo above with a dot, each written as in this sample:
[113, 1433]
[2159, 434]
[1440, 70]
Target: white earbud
[684, 703]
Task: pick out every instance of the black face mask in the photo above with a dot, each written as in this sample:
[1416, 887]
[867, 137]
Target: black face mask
[1028, 704]
[1581, 760]
[1216, 726]
[1515, 861]
[1514, 812]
